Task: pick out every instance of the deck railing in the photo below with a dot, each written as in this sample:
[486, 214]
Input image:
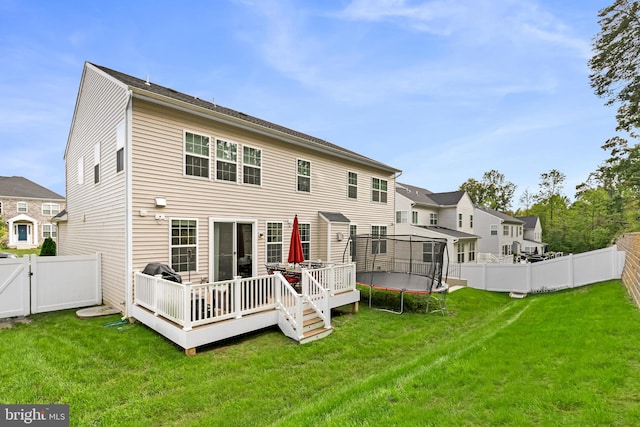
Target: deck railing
[191, 305]
[335, 278]
[316, 296]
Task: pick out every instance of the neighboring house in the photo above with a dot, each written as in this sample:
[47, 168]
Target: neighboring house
[28, 209]
[501, 235]
[156, 175]
[439, 215]
[532, 243]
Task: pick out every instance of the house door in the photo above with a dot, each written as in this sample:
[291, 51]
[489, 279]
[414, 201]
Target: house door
[232, 250]
[22, 232]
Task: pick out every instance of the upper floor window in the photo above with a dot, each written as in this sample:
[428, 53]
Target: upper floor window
[401, 217]
[0, 208]
[303, 173]
[252, 165]
[378, 242]
[414, 217]
[50, 209]
[305, 238]
[459, 220]
[379, 190]
[96, 164]
[196, 157]
[184, 244]
[120, 138]
[433, 219]
[274, 242]
[49, 230]
[352, 185]
[226, 160]
[505, 230]
[494, 229]
[22, 207]
[471, 221]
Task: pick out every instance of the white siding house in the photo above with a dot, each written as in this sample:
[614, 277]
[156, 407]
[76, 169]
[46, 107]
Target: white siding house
[156, 175]
[447, 216]
[501, 235]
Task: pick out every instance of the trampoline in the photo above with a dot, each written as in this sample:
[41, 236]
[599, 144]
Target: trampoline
[406, 264]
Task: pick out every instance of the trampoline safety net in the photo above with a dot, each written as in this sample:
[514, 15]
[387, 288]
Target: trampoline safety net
[415, 255]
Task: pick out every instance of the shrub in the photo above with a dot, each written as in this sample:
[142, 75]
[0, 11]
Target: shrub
[48, 247]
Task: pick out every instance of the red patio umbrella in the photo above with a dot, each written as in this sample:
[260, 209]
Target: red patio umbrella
[296, 255]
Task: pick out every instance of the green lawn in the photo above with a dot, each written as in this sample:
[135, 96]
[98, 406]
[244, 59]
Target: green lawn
[22, 252]
[567, 358]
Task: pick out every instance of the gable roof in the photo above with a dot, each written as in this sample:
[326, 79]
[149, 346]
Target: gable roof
[18, 186]
[529, 221]
[424, 196]
[416, 194]
[142, 87]
[502, 216]
[450, 198]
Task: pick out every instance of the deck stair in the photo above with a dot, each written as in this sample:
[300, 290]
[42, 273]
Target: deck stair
[313, 327]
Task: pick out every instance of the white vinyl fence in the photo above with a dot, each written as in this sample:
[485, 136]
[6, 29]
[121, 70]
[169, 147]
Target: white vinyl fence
[34, 284]
[559, 273]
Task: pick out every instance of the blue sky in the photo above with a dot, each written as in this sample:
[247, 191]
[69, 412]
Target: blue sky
[444, 90]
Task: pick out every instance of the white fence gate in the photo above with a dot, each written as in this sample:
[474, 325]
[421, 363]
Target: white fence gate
[558, 273]
[34, 284]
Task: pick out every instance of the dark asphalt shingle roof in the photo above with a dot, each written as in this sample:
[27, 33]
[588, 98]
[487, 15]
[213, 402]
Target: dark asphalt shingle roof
[195, 101]
[529, 221]
[17, 186]
[500, 215]
[449, 232]
[335, 217]
[424, 196]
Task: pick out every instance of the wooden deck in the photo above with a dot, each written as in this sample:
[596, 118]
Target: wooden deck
[195, 315]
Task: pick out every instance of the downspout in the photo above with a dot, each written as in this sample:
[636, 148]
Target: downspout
[128, 206]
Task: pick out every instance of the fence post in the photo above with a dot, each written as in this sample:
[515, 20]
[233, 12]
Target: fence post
[571, 271]
[31, 267]
[99, 279]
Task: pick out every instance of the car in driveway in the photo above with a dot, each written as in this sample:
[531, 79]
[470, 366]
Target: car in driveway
[7, 255]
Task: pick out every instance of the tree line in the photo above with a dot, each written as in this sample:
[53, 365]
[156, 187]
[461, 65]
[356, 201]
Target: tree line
[607, 204]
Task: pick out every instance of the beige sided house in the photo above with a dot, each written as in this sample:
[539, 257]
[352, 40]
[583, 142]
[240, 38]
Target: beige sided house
[156, 175]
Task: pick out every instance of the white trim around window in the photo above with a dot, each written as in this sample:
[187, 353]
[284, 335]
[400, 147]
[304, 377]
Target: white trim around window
[183, 236]
[196, 155]
[379, 189]
[274, 238]
[50, 209]
[303, 176]
[352, 185]
[22, 207]
[251, 165]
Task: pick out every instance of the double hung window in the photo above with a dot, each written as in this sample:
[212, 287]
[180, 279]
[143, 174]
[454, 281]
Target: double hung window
[196, 158]
[226, 160]
[252, 165]
[352, 185]
[274, 242]
[184, 244]
[304, 175]
[379, 190]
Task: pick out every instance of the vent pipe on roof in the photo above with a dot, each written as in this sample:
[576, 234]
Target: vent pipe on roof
[213, 101]
[147, 81]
